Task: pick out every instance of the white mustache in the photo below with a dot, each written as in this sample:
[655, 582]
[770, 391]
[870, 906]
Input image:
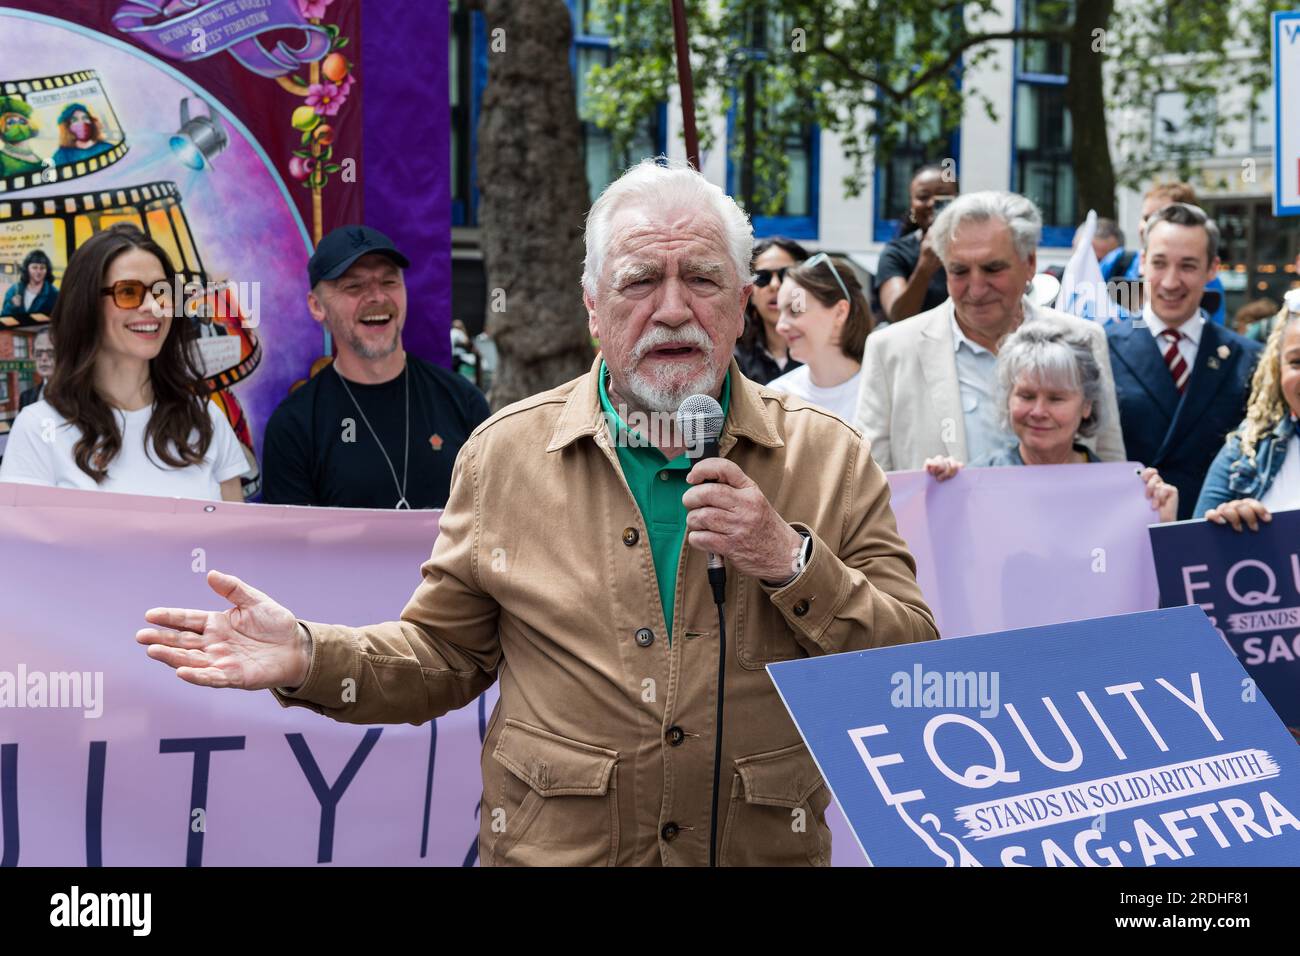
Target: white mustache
[662, 335]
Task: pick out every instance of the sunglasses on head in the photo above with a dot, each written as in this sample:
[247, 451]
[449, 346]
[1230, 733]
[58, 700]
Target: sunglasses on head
[129, 293]
[823, 257]
[763, 277]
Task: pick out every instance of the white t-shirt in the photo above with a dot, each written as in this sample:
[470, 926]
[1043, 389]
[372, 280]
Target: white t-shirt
[41, 452]
[1284, 493]
[841, 399]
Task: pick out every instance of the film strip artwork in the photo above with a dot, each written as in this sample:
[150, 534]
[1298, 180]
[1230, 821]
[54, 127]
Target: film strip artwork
[56, 128]
[218, 311]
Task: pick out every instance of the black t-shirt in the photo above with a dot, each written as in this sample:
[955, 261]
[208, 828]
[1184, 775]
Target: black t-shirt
[900, 258]
[318, 451]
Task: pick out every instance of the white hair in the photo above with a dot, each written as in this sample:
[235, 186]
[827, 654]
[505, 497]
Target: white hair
[664, 185]
[1020, 215]
[1048, 352]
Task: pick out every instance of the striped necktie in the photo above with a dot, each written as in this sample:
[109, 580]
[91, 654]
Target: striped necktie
[1178, 366]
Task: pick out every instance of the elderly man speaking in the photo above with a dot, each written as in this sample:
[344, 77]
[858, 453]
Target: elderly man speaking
[571, 565]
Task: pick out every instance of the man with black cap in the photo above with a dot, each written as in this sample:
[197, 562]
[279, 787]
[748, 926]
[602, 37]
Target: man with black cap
[378, 428]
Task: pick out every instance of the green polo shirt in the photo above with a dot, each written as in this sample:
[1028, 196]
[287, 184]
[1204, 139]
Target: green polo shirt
[657, 484]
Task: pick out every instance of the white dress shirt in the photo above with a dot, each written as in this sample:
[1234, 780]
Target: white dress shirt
[1191, 338]
[977, 383]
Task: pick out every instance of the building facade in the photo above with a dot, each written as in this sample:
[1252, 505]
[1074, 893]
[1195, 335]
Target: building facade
[1025, 147]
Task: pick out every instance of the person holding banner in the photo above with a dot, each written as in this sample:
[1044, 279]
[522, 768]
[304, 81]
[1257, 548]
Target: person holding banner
[929, 383]
[376, 412]
[1258, 469]
[1181, 380]
[571, 565]
[126, 409]
[1049, 389]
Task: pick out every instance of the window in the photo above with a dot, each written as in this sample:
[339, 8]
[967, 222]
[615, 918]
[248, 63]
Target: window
[603, 165]
[755, 115]
[894, 175]
[1041, 163]
[1175, 130]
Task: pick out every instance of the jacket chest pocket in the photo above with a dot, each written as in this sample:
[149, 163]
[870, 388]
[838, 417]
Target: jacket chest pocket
[557, 804]
[762, 635]
[777, 815]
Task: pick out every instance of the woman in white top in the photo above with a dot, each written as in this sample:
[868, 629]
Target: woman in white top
[825, 318]
[124, 410]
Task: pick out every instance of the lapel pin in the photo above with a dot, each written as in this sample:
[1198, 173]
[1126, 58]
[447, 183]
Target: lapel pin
[1224, 352]
[1212, 362]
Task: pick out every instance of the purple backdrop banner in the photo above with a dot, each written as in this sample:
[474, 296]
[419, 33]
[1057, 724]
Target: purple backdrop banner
[116, 774]
[407, 141]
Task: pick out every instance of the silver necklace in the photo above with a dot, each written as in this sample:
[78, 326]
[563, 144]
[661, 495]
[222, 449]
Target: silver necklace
[406, 457]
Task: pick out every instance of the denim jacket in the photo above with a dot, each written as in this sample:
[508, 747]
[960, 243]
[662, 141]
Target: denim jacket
[1232, 475]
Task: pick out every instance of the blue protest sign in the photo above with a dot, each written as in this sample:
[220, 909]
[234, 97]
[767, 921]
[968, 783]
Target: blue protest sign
[1122, 741]
[1248, 583]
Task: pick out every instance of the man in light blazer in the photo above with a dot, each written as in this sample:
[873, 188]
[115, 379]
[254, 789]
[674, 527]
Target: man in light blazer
[929, 385]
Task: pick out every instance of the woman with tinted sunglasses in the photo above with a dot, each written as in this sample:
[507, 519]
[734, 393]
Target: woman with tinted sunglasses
[761, 352]
[826, 318]
[125, 409]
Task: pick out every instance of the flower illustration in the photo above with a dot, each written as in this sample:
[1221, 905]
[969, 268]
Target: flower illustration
[325, 98]
[313, 9]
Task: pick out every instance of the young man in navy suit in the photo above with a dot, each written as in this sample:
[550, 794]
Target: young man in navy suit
[1182, 381]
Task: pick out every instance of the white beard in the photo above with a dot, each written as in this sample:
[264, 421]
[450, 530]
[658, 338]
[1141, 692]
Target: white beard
[656, 391]
[654, 394]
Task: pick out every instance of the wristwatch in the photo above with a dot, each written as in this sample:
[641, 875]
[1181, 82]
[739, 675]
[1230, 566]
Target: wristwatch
[800, 561]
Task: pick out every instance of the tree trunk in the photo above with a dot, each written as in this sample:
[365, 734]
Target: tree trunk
[1085, 97]
[534, 199]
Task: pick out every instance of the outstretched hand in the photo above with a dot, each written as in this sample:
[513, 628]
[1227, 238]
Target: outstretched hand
[253, 645]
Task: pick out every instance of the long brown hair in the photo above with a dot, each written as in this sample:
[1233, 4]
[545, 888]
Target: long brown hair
[77, 328]
[819, 281]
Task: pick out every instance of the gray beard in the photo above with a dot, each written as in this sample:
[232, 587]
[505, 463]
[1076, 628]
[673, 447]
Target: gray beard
[367, 351]
[652, 398]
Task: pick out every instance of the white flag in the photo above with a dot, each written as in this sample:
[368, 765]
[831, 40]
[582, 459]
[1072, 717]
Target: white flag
[1083, 290]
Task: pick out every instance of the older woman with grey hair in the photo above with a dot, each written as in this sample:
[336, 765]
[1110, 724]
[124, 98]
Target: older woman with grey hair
[1049, 394]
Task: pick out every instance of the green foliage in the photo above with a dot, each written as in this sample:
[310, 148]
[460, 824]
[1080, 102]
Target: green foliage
[871, 71]
[1213, 54]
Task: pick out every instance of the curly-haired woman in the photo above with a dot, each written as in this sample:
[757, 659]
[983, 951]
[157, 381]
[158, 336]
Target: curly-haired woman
[1258, 469]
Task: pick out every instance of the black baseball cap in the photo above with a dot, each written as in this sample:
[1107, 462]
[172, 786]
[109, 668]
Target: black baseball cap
[343, 246]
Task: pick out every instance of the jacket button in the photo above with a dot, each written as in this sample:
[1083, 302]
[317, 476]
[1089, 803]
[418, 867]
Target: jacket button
[670, 831]
[800, 608]
[631, 536]
[675, 735]
[645, 637]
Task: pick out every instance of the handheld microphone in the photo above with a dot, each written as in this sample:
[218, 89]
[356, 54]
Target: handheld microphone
[700, 419]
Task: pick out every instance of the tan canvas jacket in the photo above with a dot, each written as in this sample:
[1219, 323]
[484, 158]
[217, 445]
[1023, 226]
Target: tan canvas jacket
[601, 748]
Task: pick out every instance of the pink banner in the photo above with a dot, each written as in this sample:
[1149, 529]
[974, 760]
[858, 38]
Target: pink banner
[106, 757]
[116, 775]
